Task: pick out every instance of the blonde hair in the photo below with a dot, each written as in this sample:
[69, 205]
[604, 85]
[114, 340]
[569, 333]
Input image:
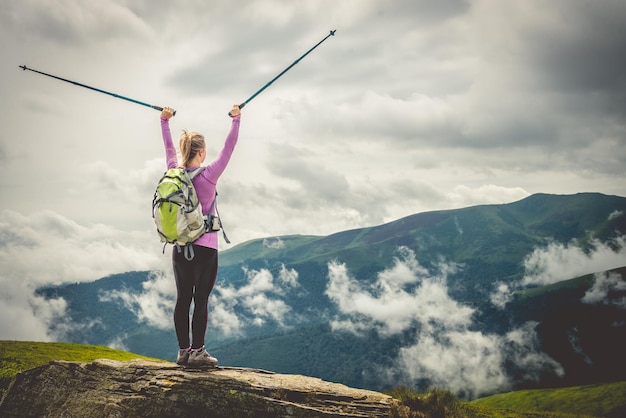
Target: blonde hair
[190, 144]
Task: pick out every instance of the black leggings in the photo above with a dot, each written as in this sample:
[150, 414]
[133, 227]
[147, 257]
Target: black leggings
[194, 280]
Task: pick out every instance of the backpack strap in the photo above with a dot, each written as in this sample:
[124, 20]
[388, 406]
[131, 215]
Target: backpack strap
[189, 252]
[192, 175]
[219, 218]
[187, 249]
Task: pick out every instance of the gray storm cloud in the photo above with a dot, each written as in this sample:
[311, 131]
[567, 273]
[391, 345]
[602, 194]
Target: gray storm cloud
[465, 97]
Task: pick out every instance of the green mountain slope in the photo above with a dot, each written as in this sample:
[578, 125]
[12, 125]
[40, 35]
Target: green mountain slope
[602, 400]
[587, 338]
[490, 240]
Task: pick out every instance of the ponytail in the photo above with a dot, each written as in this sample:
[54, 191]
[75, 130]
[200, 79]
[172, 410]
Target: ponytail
[190, 144]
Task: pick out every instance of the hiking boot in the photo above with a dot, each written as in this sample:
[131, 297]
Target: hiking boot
[200, 358]
[183, 356]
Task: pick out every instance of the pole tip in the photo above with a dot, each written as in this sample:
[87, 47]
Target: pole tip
[23, 67]
[332, 32]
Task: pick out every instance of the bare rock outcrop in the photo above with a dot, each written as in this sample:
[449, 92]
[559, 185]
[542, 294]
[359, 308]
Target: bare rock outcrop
[139, 388]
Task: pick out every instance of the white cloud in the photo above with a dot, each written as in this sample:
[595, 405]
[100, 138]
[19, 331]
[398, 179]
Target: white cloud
[468, 363]
[288, 277]
[46, 248]
[390, 305]
[254, 303]
[501, 295]
[557, 262]
[259, 300]
[263, 307]
[154, 305]
[223, 317]
[275, 243]
[60, 329]
[446, 351]
[27, 317]
[119, 343]
[604, 284]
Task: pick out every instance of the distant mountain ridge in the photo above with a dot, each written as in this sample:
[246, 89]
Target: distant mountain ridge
[488, 242]
[492, 240]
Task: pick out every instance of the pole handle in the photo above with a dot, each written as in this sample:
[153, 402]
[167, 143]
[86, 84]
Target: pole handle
[160, 109]
[241, 106]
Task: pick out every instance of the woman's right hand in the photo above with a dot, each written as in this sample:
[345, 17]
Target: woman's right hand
[167, 112]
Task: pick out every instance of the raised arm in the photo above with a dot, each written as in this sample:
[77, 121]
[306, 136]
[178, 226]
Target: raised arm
[170, 150]
[215, 168]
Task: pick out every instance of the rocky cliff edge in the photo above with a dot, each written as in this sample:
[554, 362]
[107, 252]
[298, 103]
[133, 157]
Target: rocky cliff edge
[140, 388]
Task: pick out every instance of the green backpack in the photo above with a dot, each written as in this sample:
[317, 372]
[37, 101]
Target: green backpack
[176, 210]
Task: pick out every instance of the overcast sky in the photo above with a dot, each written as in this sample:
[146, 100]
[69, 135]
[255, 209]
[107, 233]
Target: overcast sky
[412, 106]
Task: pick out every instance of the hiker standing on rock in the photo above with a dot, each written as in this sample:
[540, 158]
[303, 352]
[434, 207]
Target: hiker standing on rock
[195, 278]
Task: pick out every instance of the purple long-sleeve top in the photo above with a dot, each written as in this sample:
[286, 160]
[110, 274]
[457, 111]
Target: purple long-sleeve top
[206, 182]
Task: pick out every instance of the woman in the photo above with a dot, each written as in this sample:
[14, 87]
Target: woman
[195, 278]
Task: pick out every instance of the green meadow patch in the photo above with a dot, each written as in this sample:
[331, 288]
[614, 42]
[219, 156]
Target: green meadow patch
[17, 356]
[441, 403]
[600, 400]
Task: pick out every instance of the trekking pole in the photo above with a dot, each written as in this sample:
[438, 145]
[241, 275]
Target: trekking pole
[23, 67]
[241, 106]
